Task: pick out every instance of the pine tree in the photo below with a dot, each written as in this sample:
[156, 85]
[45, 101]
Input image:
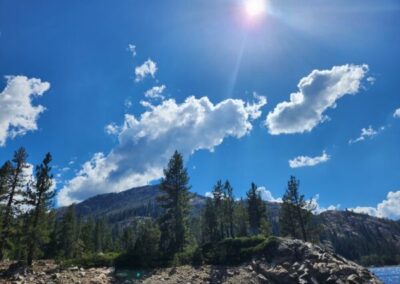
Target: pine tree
[218, 198]
[210, 223]
[145, 251]
[175, 202]
[53, 246]
[5, 175]
[295, 212]
[88, 235]
[68, 233]
[41, 198]
[102, 236]
[241, 219]
[127, 239]
[256, 209]
[229, 205]
[13, 187]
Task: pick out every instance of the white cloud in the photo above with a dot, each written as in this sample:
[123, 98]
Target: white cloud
[132, 49]
[112, 129]
[267, 195]
[145, 144]
[305, 161]
[367, 133]
[148, 68]
[371, 80]
[18, 115]
[317, 92]
[388, 208]
[155, 92]
[317, 209]
[396, 113]
[209, 194]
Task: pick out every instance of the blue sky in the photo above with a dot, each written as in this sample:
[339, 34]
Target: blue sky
[105, 134]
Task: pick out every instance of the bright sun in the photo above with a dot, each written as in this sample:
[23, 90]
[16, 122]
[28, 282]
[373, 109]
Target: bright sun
[254, 7]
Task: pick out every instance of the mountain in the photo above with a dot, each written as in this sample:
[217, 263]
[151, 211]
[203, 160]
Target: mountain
[367, 239]
[359, 237]
[117, 207]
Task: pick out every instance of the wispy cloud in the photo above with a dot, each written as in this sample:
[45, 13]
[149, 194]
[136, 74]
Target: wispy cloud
[132, 49]
[371, 80]
[148, 68]
[318, 91]
[155, 92]
[306, 161]
[367, 133]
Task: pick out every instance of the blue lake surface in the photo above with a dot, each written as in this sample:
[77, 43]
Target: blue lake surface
[388, 274]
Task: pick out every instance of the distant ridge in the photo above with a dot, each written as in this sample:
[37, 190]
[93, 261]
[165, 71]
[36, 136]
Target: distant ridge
[129, 203]
[358, 237]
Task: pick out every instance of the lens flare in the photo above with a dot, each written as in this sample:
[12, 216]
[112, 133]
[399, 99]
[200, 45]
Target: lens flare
[254, 8]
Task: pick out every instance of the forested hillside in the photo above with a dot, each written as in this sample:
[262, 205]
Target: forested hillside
[366, 239]
[166, 224]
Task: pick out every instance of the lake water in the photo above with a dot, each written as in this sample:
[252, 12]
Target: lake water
[388, 274]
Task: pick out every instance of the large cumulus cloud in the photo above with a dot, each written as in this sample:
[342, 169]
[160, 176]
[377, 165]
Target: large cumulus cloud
[146, 143]
[317, 92]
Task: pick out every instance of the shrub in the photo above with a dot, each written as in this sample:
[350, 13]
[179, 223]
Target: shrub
[191, 255]
[92, 260]
[237, 250]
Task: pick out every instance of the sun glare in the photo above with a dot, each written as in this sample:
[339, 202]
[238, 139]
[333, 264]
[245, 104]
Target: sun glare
[255, 8]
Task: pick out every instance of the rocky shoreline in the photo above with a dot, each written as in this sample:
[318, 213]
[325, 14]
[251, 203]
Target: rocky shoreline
[291, 261]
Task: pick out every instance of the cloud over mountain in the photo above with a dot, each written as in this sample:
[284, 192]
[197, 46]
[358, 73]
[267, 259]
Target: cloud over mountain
[146, 143]
[388, 208]
[317, 92]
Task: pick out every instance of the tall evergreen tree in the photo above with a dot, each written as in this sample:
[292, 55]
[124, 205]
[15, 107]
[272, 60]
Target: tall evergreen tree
[5, 175]
[229, 206]
[14, 187]
[241, 219]
[102, 236]
[53, 246]
[88, 235]
[41, 198]
[256, 209]
[68, 232]
[127, 239]
[218, 198]
[296, 211]
[175, 202]
[210, 223]
[146, 248]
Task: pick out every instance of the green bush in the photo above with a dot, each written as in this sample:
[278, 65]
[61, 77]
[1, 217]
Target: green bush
[191, 255]
[228, 251]
[237, 250]
[93, 260]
